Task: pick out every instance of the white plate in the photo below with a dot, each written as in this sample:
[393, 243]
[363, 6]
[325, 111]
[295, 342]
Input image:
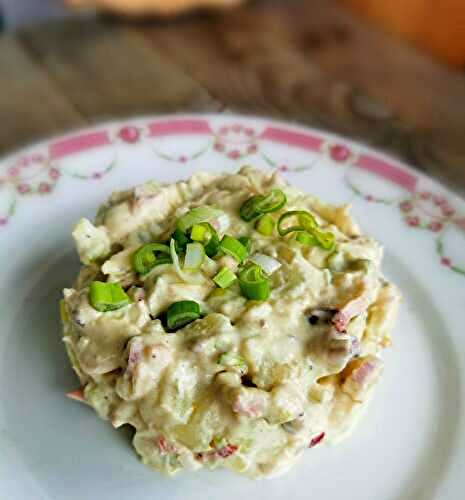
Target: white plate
[411, 442]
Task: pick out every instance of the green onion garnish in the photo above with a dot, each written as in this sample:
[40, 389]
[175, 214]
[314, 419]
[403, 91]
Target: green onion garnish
[248, 211]
[198, 232]
[254, 284]
[188, 277]
[180, 239]
[233, 247]
[205, 233]
[271, 202]
[267, 263]
[299, 220]
[262, 204]
[225, 278]
[327, 241]
[317, 238]
[265, 225]
[148, 256]
[307, 239]
[181, 313]
[195, 254]
[106, 297]
[247, 242]
[197, 216]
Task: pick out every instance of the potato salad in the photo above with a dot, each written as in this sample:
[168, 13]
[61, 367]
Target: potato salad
[230, 319]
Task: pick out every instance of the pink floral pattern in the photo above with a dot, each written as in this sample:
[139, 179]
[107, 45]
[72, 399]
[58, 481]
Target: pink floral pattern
[340, 153]
[236, 141]
[40, 172]
[129, 134]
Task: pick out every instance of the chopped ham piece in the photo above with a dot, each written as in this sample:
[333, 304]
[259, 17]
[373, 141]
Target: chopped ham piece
[164, 446]
[227, 450]
[362, 374]
[77, 395]
[135, 354]
[317, 439]
[249, 404]
[353, 308]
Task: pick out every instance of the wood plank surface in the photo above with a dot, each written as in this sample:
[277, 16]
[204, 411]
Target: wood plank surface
[107, 71]
[308, 61]
[30, 106]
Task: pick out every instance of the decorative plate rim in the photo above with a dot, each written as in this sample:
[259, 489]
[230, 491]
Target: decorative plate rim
[44, 156]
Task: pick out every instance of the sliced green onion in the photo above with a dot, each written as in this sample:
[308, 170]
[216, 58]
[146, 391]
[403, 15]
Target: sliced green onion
[198, 232]
[265, 225]
[221, 223]
[327, 241]
[247, 242]
[253, 283]
[267, 263]
[262, 204]
[181, 313]
[248, 212]
[307, 239]
[107, 296]
[148, 256]
[225, 278]
[234, 248]
[299, 220]
[193, 278]
[195, 253]
[197, 216]
[181, 240]
[205, 233]
[317, 238]
[271, 202]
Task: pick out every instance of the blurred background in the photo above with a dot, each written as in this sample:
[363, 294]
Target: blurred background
[437, 27]
[389, 73]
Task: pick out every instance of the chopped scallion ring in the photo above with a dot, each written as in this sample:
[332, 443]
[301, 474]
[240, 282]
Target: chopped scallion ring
[206, 234]
[317, 238]
[271, 202]
[193, 278]
[265, 225]
[248, 212]
[197, 216]
[180, 239]
[262, 204]
[148, 256]
[198, 232]
[253, 283]
[225, 278]
[234, 248]
[307, 239]
[106, 297]
[327, 241]
[181, 313]
[195, 254]
[299, 220]
[246, 241]
[267, 263]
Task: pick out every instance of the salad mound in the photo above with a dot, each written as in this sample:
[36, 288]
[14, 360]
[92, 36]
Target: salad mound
[230, 319]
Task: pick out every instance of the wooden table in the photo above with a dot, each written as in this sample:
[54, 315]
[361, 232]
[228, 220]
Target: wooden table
[304, 60]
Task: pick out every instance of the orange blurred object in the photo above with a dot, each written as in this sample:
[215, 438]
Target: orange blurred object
[435, 25]
[141, 7]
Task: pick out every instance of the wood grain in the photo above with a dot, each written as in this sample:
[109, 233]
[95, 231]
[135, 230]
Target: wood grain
[30, 106]
[108, 71]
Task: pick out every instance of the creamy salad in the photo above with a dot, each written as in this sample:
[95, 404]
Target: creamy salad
[230, 319]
